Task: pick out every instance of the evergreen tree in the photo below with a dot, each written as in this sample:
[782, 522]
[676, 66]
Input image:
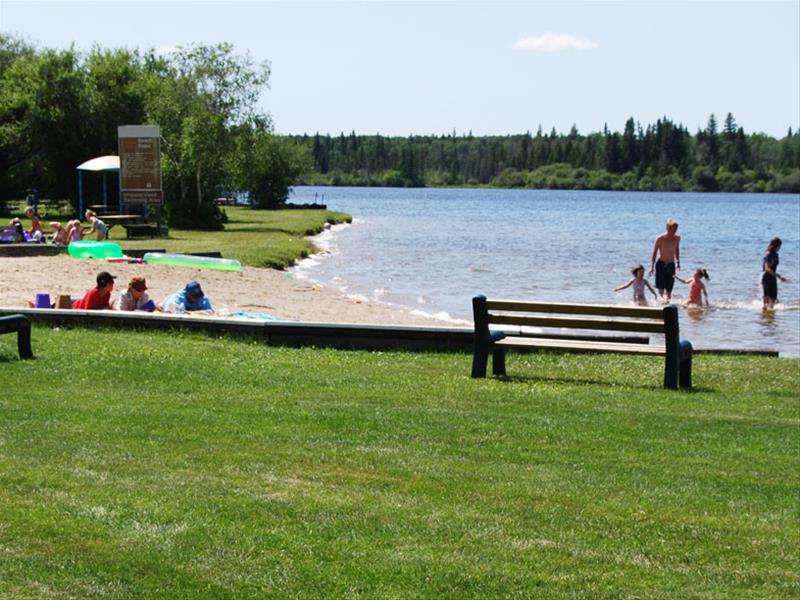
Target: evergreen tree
[630, 156]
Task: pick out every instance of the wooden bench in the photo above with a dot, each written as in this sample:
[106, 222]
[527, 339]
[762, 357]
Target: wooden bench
[134, 230]
[677, 354]
[22, 326]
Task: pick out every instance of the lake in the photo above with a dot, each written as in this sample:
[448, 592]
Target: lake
[432, 250]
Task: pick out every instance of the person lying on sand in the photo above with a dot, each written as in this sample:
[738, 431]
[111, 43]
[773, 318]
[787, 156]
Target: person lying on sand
[190, 299]
[135, 297]
[99, 297]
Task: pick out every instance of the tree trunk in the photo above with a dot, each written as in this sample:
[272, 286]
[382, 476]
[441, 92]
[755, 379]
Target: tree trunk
[199, 189]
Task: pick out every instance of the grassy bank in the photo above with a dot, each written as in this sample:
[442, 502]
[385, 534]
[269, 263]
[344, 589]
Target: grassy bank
[178, 465]
[258, 238]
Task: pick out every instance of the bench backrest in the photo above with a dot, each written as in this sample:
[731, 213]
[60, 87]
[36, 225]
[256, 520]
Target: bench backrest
[576, 316]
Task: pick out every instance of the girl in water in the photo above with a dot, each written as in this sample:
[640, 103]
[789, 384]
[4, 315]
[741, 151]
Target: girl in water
[697, 288]
[769, 277]
[639, 283]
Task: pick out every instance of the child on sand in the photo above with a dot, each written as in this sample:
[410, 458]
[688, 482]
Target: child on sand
[36, 234]
[697, 288]
[136, 298]
[97, 225]
[59, 234]
[74, 231]
[99, 297]
[639, 283]
[190, 299]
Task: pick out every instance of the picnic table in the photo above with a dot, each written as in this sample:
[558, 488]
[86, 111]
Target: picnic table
[112, 220]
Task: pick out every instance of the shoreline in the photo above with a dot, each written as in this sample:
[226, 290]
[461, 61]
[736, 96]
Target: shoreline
[251, 290]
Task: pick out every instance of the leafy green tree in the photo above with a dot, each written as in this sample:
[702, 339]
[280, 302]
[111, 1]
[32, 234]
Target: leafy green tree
[41, 121]
[267, 166]
[198, 95]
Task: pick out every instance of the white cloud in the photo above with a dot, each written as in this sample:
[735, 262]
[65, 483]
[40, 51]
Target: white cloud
[553, 42]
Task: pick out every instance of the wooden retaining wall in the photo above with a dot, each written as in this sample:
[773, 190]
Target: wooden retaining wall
[299, 333]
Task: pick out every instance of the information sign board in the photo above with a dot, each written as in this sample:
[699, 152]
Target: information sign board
[140, 164]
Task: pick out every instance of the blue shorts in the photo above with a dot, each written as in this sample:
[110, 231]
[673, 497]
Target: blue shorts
[665, 275]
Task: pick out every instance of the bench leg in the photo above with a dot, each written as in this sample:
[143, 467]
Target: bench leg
[499, 361]
[671, 369]
[479, 360]
[685, 374]
[24, 341]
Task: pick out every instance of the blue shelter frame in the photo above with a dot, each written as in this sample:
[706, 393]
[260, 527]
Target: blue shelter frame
[104, 165]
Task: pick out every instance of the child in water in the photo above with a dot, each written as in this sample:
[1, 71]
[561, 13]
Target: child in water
[697, 288]
[639, 283]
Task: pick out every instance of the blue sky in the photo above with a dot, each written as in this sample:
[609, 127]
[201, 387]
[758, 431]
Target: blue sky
[400, 68]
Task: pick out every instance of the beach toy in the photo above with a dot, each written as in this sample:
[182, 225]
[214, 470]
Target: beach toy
[63, 301]
[126, 259]
[42, 301]
[94, 250]
[149, 306]
[258, 316]
[196, 262]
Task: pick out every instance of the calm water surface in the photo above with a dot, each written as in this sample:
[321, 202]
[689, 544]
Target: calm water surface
[431, 250]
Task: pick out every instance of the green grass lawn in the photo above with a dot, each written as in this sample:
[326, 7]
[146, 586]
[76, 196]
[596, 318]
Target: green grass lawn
[177, 465]
[258, 238]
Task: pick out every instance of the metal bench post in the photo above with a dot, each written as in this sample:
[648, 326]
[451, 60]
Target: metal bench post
[24, 339]
[672, 341]
[22, 326]
[480, 316]
[499, 361]
[685, 374]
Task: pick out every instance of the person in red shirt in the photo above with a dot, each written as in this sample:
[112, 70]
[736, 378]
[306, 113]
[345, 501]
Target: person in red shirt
[98, 298]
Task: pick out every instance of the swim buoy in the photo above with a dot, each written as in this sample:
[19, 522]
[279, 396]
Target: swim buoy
[196, 262]
[87, 249]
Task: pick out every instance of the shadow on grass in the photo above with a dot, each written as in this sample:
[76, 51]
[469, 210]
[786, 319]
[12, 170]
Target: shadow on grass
[263, 229]
[587, 381]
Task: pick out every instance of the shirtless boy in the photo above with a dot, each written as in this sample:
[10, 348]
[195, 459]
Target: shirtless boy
[668, 250]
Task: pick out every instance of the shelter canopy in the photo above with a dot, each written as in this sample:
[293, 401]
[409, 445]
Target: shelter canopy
[101, 163]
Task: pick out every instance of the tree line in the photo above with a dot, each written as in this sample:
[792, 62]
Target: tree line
[59, 108]
[661, 156]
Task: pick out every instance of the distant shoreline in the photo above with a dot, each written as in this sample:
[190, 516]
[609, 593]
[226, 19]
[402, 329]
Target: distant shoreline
[571, 189]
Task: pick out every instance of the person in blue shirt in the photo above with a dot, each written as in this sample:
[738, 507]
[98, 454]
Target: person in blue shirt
[190, 299]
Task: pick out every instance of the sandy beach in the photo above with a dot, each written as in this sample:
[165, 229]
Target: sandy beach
[250, 290]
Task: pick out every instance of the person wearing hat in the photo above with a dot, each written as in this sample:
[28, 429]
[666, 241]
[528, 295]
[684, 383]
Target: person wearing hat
[135, 297]
[98, 298]
[190, 299]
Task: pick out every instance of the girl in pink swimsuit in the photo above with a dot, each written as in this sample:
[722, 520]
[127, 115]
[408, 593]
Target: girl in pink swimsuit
[639, 283]
[697, 288]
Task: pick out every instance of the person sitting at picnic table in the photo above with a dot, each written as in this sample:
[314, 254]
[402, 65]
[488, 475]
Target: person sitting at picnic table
[97, 225]
[190, 299]
[135, 297]
[98, 298]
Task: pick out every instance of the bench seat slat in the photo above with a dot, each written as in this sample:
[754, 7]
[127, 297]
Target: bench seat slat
[576, 346]
[643, 312]
[573, 323]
